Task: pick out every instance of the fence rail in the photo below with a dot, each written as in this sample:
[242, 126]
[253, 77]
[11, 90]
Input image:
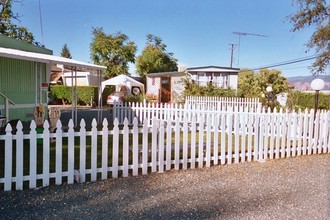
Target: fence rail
[39, 159]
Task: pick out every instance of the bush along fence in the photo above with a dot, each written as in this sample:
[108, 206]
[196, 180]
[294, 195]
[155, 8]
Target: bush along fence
[40, 159]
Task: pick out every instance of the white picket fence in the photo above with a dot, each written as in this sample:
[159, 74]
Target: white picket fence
[172, 111]
[101, 153]
[222, 103]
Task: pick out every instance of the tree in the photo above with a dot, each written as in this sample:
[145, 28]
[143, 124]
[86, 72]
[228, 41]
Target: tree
[315, 13]
[113, 51]
[253, 85]
[8, 28]
[154, 58]
[66, 52]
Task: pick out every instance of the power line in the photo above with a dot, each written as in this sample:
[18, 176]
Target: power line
[283, 63]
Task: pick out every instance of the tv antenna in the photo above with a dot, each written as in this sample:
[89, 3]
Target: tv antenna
[239, 40]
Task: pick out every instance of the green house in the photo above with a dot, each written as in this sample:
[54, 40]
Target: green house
[24, 76]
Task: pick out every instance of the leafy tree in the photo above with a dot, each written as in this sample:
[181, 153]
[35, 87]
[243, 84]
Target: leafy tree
[248, 84]
[154, 58]
[8, 28]
[253, 85]
[113, 51]
[315, 13]
[66, 52]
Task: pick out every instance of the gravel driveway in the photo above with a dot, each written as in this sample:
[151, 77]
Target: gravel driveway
[293, 188]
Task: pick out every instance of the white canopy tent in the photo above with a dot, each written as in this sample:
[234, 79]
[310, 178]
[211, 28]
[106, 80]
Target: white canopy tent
[123, 80]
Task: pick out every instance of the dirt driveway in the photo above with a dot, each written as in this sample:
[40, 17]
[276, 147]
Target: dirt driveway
[293, 188]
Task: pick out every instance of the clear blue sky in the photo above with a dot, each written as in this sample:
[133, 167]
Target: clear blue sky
[198, 32]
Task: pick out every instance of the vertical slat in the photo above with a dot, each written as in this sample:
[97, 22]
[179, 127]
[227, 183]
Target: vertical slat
[283, 134]
[300, 133]
[310, 132]
[94, 151]
[277, 128]
[256, 125]
[294, 133]
[305, 132]
[145, 147]
[125, 147]
[70, 153]
[215, 127]
[154, 134]
[250, 128]
[33, 156]
[59, 154]
[288, 135]
[193, 142]
[230, 136]
[263, 120]
[185, 143]
[243, 139]
[208, 141]
[161, 147]
[177, 144]
[236, 135]
[115, 148]
[135, 147]
[8, 158]
[19, 156]
[82, 151]
[46, 150]
[105, 140]
[201, 143]
[223, 138]
[168, 144]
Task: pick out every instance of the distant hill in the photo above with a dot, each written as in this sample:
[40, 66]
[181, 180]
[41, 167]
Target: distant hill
[303, 83]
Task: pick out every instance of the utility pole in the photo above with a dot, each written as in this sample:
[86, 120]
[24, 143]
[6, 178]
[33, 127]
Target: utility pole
[239, 40]
[231, 54]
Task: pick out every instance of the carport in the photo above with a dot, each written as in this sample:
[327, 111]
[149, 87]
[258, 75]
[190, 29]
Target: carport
[73, 65]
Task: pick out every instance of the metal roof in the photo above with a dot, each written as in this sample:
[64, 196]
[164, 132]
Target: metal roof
[165, 74]
[45, 58]
[212, 69]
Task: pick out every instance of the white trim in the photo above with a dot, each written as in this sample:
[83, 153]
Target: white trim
[45, 58]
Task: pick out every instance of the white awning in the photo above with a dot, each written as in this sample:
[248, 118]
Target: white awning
[45, 58]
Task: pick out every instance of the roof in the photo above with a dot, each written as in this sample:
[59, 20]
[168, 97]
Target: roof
[166, 74]
[46, 58]
[212, 69]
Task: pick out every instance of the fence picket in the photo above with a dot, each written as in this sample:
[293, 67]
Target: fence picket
[71, 153]
[145, 147]
[82, 151]
[161, 147]
[135, 147]
[105, 140]
[154, 146]
[46, 151]
[201, 143]
[168, 145]
[115, 148]
[94, 150]
[193, 143]
[19, 156]
[8, 158]
[185, 144]
[59, 155]
[177, 144]
[125, 148]
[33, 156]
